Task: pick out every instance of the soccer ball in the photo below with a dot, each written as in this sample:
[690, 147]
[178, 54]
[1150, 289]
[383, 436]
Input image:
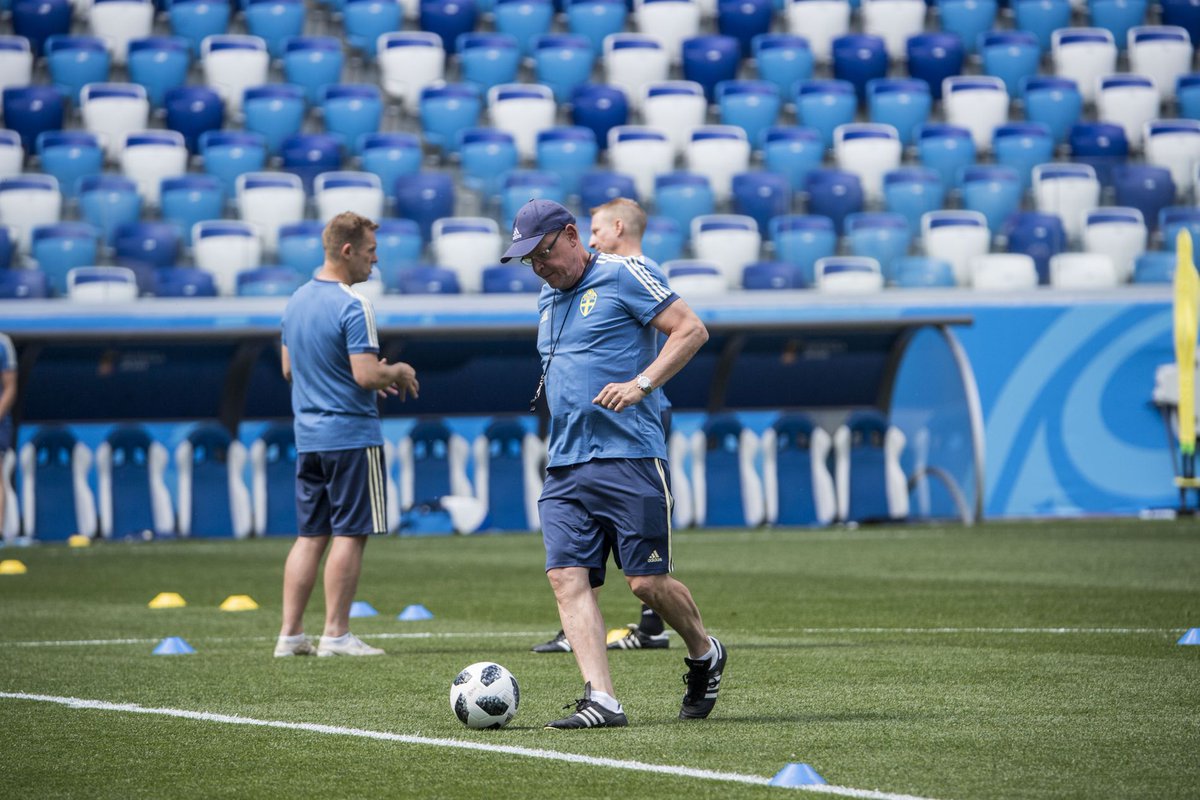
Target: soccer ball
[485, 695]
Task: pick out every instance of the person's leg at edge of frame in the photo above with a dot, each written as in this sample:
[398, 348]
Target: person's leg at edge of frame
[299, 577]
[583, 624]
[342, 570]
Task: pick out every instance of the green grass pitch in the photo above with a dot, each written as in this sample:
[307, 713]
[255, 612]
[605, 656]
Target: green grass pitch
[1009, 660]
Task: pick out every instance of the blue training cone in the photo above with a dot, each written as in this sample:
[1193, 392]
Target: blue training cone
[1191, 637]
[415, 612]
[173, 646]
[361, 608]
[797, 775]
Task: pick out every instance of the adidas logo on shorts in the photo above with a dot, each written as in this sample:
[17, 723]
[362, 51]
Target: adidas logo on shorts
[654, 558]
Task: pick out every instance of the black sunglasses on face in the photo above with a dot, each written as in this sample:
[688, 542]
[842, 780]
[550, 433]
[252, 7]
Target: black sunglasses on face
[542, 255]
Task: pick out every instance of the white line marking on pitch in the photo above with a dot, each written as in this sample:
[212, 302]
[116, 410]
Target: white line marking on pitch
[424, 635]
[528, 752]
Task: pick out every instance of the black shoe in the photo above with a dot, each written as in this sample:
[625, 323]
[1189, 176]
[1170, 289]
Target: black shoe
[590, 714]
[634, 639]
[703, 682]
[558, 644]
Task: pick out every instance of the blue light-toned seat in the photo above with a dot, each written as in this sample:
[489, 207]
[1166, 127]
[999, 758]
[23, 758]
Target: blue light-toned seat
[1054, 101]
[870, 481]
[881, 235]
[922, 272]
[268, 282]
[159, 63]
[727, 488]
[825, 104]
[428, 279]
[60, 247]
[569, 151]
[664, 239]
[596, 19]
[312, 62]
[447, 110]
[196, 20]
[273, 481]
[73, 62]
[783, 59]
[228, 154]
[132, 492]
[488, 59]
[509, 469]
[274, 21]
[276, 111]
[520, 186]
[56, 499]
[68, 156]
[793, 152]
[801, 240]
[107, 202]
[798, 486]
[903, 103]
[213, 500]
[1011, 56]
[364, 21]
[946, 149]
[994, 190]
[510, 279]
[1022, 146]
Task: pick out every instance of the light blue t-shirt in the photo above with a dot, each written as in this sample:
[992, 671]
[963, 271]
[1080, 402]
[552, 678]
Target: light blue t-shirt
[325, 322]
[594, 334]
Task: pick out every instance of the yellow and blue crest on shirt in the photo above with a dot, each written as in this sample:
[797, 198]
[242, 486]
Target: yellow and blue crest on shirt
[587, 302]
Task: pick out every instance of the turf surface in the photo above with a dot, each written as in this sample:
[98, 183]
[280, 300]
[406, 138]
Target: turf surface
[1007, 660]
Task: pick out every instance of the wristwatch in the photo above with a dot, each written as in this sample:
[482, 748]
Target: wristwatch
[644, 384]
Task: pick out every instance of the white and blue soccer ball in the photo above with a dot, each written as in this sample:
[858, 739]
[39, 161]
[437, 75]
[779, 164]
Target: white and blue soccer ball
[485, 695]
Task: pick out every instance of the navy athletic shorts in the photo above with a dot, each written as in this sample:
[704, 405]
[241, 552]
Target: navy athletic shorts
[6, 433]
[341, 492]
[619, 505]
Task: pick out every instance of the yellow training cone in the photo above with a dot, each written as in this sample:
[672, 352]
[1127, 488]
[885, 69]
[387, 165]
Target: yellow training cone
[10, 566]
[167, 600]
[79, 540]
[239, 602]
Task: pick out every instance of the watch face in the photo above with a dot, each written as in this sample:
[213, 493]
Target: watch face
[644, 383]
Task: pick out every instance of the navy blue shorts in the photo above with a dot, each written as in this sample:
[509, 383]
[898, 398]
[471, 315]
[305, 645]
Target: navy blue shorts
[6, 433]
[341, 492]
[620, 506]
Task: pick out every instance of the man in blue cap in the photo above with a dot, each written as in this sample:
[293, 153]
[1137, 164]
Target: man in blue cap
[607, 488]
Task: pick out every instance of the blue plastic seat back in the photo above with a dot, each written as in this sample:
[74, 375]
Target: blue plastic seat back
[568, 151]
[74, 61]
[946, 149]
[966, 19]
[1173, 219]
[761, 196]
[883, 236]
[446, 111]
[193, 111]
[132, 505]
[159, 63]
[753, 106]
[364, 21]
[107, 202]
[212, 514]
[1022, 146]
[1041, 18]
[1182, 13]
[275, 21]
[595, 19]
[599, 107]
[933, 56]
[683, 196]
[834, 193]
[708, 60]
[188, 199]
[276, 111]
[184, 282]
[1187, 95]
[228, 154]
[563, 62]
[1010, 56]
[793, 467]
[524, 20]
[506, 476]
[783, 59]
[351, 111]
[38, 20]
[1146, 187]
[859, 59]
[390, 156]
[772, 275]
[868, 492]
[300, 246]
[485, 156]
[922, 272]
[431, 460]
[425, 197]
[60, 247]
[912, 191]
[520, 186]
[32, 110]
[23, 284]
[310, 154]
[151, 244]
[54, 487]
[1101, 144]
[194, 20]
[448, 19]
[994, 190]
[744, 20]
[598, 187]
[722, 469]
[312, 62]
[1119, 16]
[68, 156]
[793, 152]
[279, 478]
[663, 240]
[510, 279]
[398, 246]
[903, 103]
[825, 104]
[268, 282]
[488, 59]
[1155, 267]
[1053, 101]
[1038, 235]
[801, 239]
[7, 246]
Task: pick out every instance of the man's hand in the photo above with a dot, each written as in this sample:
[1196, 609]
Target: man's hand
[404, 380]
[619, 396]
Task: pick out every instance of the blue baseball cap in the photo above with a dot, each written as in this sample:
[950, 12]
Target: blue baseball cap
[535, 219]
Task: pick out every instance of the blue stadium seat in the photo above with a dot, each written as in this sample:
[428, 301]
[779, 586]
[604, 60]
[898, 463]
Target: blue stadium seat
[801, 240]
[132, 494]
[228, 154]
[522, 185]
[390, 155]
[74, 61]
[488, 59]
[510, 279]
[1038, 235]
[993, 190]
[600, 108]
[159, 63]
[1022, 146]
[1173, 219]
[485, 156]
[107, 202]
[398, 247]
[23, 284]
[448, 19]
[68, 156]
[1182, 13]
[432, 464]
[275, 110]
[883, 236]
[947, 150]
[1155, 267]
[273, 467]
[1041, 18]
[708, 60]
[859, 59]
[753, 106]
[446, 111]
[8, 246]
[59, 248]
[1101, 144]
[683, 196]
[783, 59]
[663, 240]
[184, 282]
[56, 499]
[772, 275]
[364, 21]
[149, 244]
[425, 197]
[870, 482]
[968, 19]
[903, 103]
[510, 480]
[912, 191]
[32, 110]
[793, 152]
[761, 196]
[274, 21]
[351, 111]
[212, 495]
[1146, 187]
[744, 20]
[596, 19]
[38, 20]
[312, 62]
[196, 20]
[268, 282]
[1057, 102]
[935, 56]
[728, 490]
[1119, 16]
[922, 272]
[193, 111]
[798, 484]
[310, 154]
[824, 105]
[1010, 56]
[563, 62]
[428, 279]
[300, 247]
[569, 151]
[524, 20]
[834, 193]
[597, 187]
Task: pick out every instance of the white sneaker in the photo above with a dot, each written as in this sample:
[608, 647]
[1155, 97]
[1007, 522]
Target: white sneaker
[346, 645]
[294, 646]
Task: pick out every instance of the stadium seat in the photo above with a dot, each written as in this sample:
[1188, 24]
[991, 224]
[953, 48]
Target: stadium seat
[1083, 55]
[12, 154]
[23, 284]
[870, 481]
[16, 61]
[881, 235]
[107, 202]
[848, 275]
[213, 500]
[895, 21]
[922, 272]
[432, 462]
[159, 63]
[274, 21]
[797, 483]
[718, 152]
[563, 62]
[860, 59]
[753, 106]
[869, 150]
[802, 240]
[1068, 190]
[772, 276]
[947, 150]
[664, 239]
[308, 155]
[823, 105]
[793, 152]
[269, 200]
[183, 282]
[131, 489]
[634, 60]
[102, 285]
[1117, 17]
[1022, 146]
[978, 103]
[1183, 14]
[834, 193]
[569, 151]
[692, 278]
[641, 152]
[268, 282]
[1083, 271]
[744, 21]
[449, 19]
[522, 110]
[446, 111]
[935, 56]
[29, 200]
[509, 470]
[225, 248]
[761, 196]
[466, 245]
[275, 111]
[351, 111]
[1041, 18]
[118, 21]
[149, 156]
[485, 156]
[73, 62]
[7, 247]
[196, 20]
[912, 191]
[597, 187]
[299, 245]
[1129, 101]
[1121, 234]
[148, 243]
[193, 111]
[730, 241]
[488, 59]
[114, 110]
[31, 111]
[1174, 144]
[672, 21]
[56, 499]
[522, 185]
[1100, 144]
[510, 279]
[595, 20]
[313, 62]
[1146, 187]
[273, 481]
[819, 21]
[709, 60]
[676, 108]
[955, 237]
[994, 190]
[1003, 272]
[232, 63]
[903, 103]
[968, 19]
[1054, 102]
[524, 20]
[1161, 52]
[390, 155]
[1154, 267]
[1173, 219]
[365, 21]
[600, 108]
[38, 20]
[1037, 235]
[725, 482]
[783, 59]
[228, 154]
[68, 156]
[60, 247]
[425, 197]
[1012, 56]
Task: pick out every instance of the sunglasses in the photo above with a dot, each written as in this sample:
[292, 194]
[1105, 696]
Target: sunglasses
[542, 255]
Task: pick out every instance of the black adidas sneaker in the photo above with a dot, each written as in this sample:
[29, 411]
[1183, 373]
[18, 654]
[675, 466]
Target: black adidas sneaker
[589, 714]
[703, 681]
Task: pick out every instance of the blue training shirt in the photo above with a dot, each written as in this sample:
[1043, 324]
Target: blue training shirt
[325, 322]
[599, 333]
